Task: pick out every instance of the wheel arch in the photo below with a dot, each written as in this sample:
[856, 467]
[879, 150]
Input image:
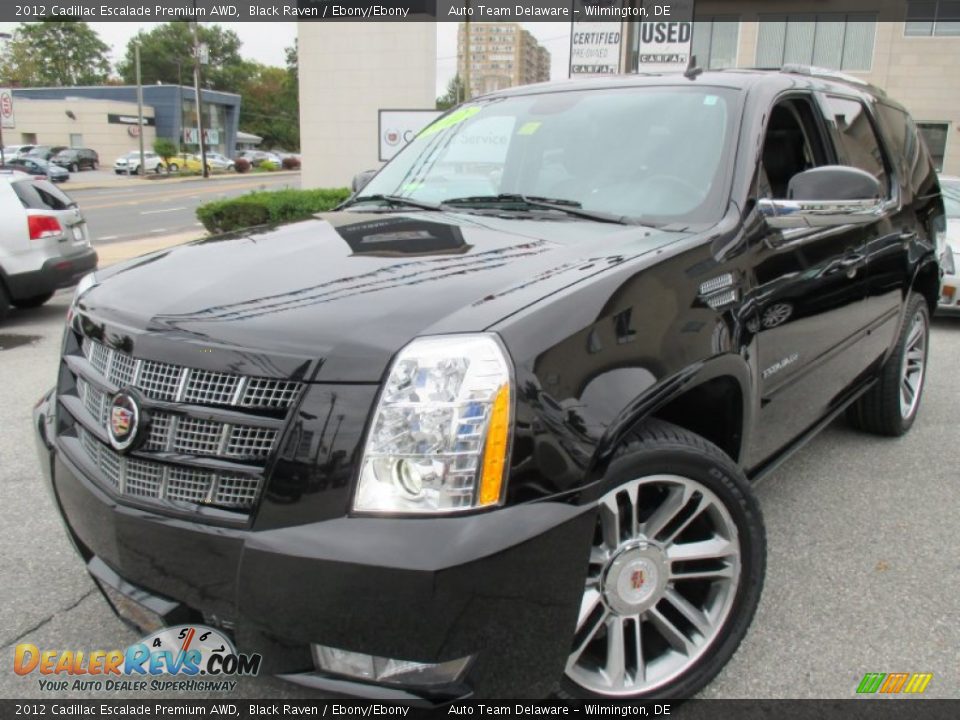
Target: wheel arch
[926, 281]
[710, 399]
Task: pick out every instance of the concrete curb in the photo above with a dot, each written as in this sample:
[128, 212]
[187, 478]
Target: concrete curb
[111, 253]
[141, 182]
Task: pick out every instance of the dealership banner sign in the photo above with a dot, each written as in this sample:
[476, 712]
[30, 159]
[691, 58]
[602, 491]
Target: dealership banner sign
[7, 118]
[665, 37]
[399, 127]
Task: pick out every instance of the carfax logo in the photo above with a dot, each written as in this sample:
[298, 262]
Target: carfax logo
[168, 660]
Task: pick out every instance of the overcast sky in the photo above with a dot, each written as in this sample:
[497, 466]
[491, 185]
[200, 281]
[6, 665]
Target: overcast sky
[268, 47]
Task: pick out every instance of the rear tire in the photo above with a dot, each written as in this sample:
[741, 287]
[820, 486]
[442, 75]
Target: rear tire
[890, 407]
[675, 574]
[96, 166]
[172, 167]
[34, 301]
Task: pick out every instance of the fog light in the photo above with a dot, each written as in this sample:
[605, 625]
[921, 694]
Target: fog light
[387, 670]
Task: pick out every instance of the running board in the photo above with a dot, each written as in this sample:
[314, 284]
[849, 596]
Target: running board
[764, 470]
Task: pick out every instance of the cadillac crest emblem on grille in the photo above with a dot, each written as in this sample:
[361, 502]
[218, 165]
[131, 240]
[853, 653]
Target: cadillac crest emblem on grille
[124, 421]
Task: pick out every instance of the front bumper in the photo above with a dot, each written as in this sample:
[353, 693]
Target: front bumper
[502, 586]
[56, 273]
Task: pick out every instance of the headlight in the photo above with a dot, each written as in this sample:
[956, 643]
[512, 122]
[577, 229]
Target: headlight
[949, 261]
[439, 438]
[87, 283]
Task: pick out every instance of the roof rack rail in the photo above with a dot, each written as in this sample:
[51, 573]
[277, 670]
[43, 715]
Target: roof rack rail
[828, 74]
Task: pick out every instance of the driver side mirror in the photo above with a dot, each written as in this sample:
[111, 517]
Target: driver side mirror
[827, 196]
[361, 179]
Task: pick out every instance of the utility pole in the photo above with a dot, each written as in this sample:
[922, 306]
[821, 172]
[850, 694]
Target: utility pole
[136, 55]
[466, 55]
[196, 89]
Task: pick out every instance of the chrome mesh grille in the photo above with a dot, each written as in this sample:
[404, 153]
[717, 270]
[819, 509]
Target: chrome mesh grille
[234, 437]
[165, 381]
[159, 380]
[190, 436]
[197, 437]
[211, 388]
[148, 480]
[250, 442]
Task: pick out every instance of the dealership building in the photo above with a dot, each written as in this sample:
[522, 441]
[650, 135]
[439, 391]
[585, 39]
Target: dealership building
[910, 48]
[105, 118]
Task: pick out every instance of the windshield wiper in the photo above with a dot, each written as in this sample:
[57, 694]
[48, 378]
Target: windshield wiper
[570, 207]
[395, 201]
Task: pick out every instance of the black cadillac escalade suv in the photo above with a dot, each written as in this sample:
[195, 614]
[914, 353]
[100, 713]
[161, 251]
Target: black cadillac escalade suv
[491, 428]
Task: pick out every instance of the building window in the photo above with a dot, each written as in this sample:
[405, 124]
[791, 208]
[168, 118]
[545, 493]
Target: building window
[715, 41]
[838, 41]
[76, 140]
[935, 137]
[932, 17]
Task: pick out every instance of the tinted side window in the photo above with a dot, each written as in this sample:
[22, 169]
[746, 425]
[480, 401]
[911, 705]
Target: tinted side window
[911, 158]
[41, 195]
[858, 139]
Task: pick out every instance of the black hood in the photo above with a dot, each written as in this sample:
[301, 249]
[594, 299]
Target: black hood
[352, 288]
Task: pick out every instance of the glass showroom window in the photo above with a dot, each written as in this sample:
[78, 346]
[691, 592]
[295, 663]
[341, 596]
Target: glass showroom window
[715, 41]
[935, 136]
[837, 41]
[932, 17]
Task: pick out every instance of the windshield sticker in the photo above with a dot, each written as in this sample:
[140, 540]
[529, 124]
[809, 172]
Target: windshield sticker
[529, 128]
[710, 100]
[450, 120]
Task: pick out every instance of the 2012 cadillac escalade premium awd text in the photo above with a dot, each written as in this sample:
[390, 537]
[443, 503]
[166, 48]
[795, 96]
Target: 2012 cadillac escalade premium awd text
[490, 429]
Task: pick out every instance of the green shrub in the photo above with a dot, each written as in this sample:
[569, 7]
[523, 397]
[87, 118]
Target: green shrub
[268, 166]
[165, 148]
[268, 208]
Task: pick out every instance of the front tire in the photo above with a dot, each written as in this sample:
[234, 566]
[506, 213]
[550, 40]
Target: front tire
[675, 572]
[890, 407]
[173, 167]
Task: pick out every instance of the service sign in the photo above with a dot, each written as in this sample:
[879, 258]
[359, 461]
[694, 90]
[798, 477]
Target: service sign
[6, 109]
[399, 127]
[664, 39]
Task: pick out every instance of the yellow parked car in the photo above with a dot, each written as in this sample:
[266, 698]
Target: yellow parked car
[184, 161]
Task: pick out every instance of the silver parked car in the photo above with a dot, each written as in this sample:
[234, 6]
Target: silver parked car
[44, 241]
[950, 258]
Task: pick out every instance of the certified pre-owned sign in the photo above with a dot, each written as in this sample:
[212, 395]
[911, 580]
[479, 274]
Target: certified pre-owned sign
[398, 127]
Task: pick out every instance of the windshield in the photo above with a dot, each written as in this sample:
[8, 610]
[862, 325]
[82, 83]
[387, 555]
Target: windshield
[655, 153]
[950, 189]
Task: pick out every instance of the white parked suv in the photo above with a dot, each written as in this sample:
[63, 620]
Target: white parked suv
[44, 242]
[131, 163]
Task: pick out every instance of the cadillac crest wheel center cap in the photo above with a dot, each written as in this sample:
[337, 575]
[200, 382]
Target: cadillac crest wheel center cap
[635, 579]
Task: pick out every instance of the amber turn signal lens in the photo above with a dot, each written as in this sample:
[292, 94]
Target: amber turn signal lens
[495, 453]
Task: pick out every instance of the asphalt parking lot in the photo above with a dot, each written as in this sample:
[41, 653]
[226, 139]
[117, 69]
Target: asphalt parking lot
[863, 569]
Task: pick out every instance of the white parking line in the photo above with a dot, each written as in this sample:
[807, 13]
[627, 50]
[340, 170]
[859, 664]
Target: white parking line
[109, 237]
[159, 230]
[154, 212]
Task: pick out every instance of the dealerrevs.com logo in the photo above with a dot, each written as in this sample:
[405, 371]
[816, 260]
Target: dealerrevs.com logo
[182, 658]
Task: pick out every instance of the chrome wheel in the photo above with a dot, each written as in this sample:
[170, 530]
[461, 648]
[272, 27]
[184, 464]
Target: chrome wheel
[776, 315]
[664, 571]
[914, 365]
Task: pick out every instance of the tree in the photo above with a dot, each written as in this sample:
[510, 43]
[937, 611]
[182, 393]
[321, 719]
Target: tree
[55, 53]
[165, 148]
[166, 56]
[453, 96]
[270, 106]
